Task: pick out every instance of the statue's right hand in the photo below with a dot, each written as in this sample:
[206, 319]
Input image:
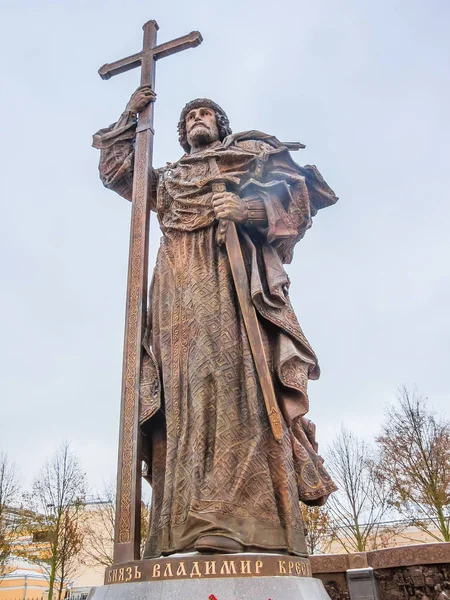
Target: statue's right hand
[141, 97]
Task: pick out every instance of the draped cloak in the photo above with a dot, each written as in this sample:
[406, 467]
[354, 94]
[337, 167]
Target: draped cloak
[213, 463]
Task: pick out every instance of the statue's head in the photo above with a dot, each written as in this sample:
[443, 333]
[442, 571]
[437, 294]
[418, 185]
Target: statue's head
[202, 122]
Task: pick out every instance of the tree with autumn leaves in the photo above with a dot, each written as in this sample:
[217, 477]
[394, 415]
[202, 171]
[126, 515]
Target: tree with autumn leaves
[317, 523]
[402, 480]
[56, 504]
[414, 462]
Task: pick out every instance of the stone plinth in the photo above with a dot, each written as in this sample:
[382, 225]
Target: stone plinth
[214, 577]
[239, 588]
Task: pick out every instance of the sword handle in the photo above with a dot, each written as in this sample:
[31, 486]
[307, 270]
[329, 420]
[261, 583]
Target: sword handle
[223, 223]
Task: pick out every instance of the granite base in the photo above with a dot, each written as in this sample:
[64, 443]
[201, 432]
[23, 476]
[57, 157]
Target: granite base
[235, 588]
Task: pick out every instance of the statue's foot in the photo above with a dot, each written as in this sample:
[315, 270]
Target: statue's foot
[217, 543]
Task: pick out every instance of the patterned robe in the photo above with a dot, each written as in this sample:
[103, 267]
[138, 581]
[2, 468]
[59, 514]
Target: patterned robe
[213, 463]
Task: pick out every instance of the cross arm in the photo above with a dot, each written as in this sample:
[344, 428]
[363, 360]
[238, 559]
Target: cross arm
[120, 66]
[191, 40]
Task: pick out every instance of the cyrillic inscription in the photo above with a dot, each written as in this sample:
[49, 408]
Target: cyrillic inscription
[209, 567]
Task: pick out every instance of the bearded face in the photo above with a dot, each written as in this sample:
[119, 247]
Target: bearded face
[201, 127]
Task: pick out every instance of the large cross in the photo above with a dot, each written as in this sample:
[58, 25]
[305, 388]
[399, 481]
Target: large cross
[128, 498]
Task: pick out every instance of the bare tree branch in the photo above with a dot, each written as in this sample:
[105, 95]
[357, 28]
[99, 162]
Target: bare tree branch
[9, 500]
[98, 528]
[358, 507]
[99, 525]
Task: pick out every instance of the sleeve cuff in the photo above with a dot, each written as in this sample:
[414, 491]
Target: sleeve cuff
[257, 216]
[127, 118]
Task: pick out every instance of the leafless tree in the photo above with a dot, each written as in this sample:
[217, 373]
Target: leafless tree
[9, 500]
[99, 524]
[358, 507]
[57, 499]
[318, 528]
[415, 461]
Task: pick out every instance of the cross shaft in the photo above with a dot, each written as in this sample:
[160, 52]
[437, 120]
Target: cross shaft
[128, 497]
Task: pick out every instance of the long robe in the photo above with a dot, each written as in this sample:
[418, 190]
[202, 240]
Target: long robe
[213, 463]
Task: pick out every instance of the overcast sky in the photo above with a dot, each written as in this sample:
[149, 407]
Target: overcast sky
[364, 84]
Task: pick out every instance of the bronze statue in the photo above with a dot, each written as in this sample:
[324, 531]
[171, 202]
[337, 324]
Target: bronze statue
[221, 481]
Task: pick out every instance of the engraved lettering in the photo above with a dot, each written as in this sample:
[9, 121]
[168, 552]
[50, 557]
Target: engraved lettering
[195, 571]
[129, 572]
[228, 567]
[168, 570]
[298, 568]
[246, 568]
[181, 570]
[109, 577]
[282, 567]
[258, 566]
[137, 573]
[114, 575]
[210, 567]
[156, 570]
[290, 567]
[121, 574]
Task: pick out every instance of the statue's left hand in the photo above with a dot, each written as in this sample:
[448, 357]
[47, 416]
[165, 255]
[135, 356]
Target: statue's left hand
[140, 98]
[230, 206]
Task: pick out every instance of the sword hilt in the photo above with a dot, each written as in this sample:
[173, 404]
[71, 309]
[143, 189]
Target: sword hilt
[223, 223]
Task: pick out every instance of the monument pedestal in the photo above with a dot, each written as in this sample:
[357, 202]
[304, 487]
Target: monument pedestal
[215, 577]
